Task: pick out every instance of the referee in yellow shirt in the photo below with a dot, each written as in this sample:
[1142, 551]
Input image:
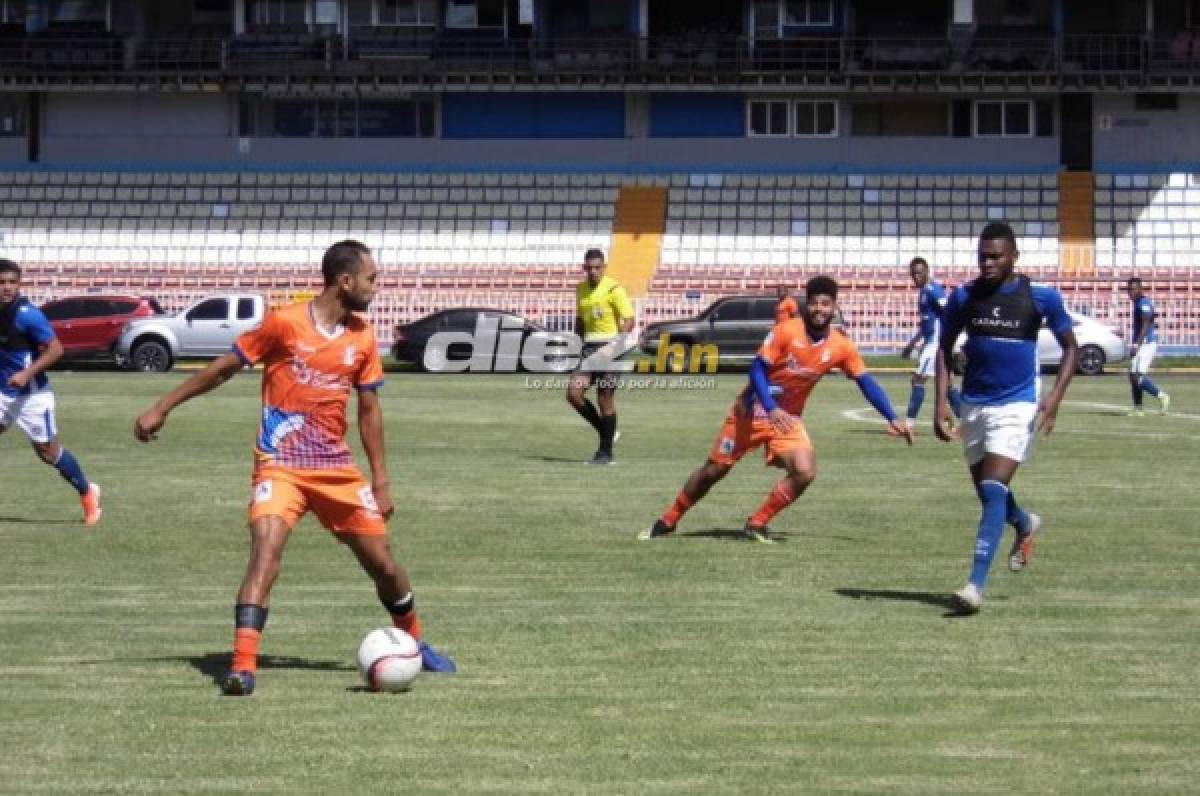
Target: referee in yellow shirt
[602, 312]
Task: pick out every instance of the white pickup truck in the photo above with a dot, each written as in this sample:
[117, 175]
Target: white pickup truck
[205, 329]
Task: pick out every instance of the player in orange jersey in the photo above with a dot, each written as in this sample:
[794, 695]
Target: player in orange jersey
[787, 308]
[793, 358]
[314, 354]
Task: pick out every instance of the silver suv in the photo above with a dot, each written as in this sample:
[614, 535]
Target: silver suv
[205, 329]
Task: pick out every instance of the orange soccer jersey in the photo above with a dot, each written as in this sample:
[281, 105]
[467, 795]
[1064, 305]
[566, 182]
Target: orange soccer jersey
[796, 363]
[306, 385]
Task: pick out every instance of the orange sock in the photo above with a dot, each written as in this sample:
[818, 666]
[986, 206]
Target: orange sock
[408, 623]
[678, 509]
[779, 499]
[245, 649]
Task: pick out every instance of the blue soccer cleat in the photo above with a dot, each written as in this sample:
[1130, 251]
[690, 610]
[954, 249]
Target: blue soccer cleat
[238, 684]
[434, 661]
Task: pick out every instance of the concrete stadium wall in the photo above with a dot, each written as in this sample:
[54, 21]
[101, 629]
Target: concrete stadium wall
[13, 151]
[1128, 138]
[86, 129]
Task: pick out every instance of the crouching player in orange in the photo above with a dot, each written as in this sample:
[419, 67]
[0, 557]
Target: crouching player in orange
[314, 353]
[793, 358]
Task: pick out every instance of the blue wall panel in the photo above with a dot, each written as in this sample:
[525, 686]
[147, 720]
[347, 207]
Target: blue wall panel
[697, 116]
[540, 115]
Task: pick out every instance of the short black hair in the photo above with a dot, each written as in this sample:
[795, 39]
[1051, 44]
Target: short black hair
[593, 254]
[1134, 280]
[9, 267]
[916, 260]
[821, 286]
[343, 257]
[998, 230]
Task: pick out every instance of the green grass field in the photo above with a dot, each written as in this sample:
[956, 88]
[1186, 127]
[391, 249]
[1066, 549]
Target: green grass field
[592, 663]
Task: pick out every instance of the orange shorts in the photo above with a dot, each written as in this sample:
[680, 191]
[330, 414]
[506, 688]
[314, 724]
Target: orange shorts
[743, 431]
[342, 499]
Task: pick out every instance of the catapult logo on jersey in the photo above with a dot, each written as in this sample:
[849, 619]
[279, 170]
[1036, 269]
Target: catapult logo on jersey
[504, 346]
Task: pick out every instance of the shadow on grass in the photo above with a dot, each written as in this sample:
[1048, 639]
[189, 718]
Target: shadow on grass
[936, 599]
[730, 535]
[558, 459]
[34, 521]
[214, 665]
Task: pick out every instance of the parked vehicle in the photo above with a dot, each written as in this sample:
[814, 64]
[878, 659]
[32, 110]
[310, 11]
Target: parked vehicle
[88, 326]
[1099, 345]
[411, 339]
[204, 330]
[737, 325]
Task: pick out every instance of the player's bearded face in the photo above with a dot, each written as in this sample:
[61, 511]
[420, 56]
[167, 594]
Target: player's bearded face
[359, 288]
[821, 309]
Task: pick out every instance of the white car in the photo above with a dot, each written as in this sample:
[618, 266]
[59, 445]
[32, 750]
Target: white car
[1099, 345]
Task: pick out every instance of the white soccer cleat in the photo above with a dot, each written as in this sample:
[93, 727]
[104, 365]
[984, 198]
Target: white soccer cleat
[1164, 402]
[968, 600]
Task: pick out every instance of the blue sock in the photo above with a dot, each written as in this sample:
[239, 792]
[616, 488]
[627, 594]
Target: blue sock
[68, 467]
[1137, 394]
[915, 399]
[1148, 386]
[955, 398]
[994, 496]
[1016, 516]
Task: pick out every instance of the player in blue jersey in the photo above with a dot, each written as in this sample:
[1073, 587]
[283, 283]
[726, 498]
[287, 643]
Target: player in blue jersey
[1143, 345]
[1001, 313]
[27, 348]
[931, 303]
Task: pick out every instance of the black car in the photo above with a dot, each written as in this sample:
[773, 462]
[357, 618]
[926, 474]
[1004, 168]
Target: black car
[737, 325]
[412, 339]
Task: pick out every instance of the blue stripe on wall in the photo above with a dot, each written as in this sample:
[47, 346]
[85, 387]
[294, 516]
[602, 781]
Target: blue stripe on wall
[697, 116]
[543, 115]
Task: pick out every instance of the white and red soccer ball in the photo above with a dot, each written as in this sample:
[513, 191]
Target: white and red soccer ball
[389, 659]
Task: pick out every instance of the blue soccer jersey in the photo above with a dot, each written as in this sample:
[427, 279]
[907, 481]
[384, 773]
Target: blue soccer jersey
[931, 303]
[1143, 315]
[1002, 327]
[24, 330]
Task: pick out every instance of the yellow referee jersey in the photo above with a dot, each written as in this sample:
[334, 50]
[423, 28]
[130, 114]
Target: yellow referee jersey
[602, 308]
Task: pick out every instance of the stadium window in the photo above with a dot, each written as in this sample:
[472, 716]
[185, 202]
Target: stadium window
[347, 118]
[461, 14]
[325, 12]
[766, 19]
[359, 12]
[767, 117]
[808, 13]
[12, 117]
[275, 12]
[1156, 102]
[78, 11]
[12, 12]
[1006, 118]
[408, 12]
[816, 118]
[917, 118]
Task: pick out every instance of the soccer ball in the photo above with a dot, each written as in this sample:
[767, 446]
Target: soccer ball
[389, 659]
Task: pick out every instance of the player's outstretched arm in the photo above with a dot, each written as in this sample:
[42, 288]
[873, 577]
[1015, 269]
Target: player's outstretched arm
[875, 395]
[1048, 406]
[219, 371]
[370, 430]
